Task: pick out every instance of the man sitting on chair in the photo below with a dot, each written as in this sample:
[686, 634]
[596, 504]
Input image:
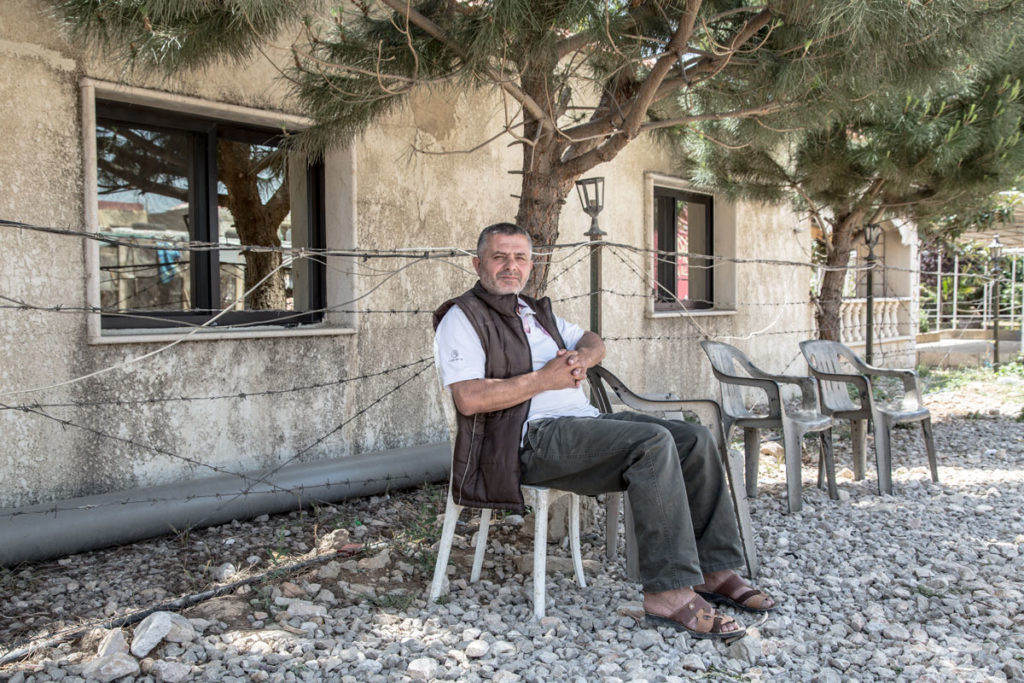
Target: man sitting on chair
[514, 370]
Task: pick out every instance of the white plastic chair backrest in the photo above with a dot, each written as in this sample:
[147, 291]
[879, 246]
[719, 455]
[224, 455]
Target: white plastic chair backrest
[728, 361]
[827, 357]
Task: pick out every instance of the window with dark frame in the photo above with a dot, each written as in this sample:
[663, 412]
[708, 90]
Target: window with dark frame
[683, 242]
[166, 181]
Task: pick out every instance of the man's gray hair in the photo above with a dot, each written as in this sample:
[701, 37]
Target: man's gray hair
[501, 229]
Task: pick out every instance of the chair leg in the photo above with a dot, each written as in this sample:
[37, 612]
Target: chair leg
[929, 445]
[540, 550]
[612, 503]
[734, 469]
[828, 463]
[481, 544]
[821, 466]
[883, 457]
[859, 439]
[752, 449]
[574, 538]
[794, 473]
[629, 533]
[444, 547]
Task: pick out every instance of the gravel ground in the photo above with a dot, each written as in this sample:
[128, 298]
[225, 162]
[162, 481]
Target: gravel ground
[921, 586]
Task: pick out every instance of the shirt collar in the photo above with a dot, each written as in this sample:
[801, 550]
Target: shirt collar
[523, 308]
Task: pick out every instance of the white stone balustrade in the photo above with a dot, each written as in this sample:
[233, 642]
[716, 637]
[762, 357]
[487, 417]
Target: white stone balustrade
[853, 315]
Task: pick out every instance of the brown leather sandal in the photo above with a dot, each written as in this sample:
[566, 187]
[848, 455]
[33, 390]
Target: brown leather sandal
[707, 623]
[751, 600]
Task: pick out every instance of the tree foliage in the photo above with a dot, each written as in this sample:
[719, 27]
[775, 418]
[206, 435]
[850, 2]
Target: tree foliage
[919, 151]
[581, 78]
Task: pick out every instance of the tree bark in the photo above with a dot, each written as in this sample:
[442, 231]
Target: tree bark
[270, 295]
[837, 258]
[257, 225]
[540, 207]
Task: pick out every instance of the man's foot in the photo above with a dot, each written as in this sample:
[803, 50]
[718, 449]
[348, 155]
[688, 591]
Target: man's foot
[729, 588]
[684, 610]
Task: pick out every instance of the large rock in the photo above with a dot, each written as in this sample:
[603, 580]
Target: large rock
[112, 643]
[423, 669]
[379, 561]
[305, 608]
[111, 667]
[159, 626]
[171, 672]
[334, 541]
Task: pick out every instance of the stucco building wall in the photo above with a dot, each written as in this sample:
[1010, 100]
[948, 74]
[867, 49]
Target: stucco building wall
[407, 182]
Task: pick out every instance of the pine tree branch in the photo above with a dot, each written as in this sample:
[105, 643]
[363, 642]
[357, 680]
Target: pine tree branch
[637, 109]
[572, 44]
[747, 113]
[435, 31]
[653, 88]
[712, 63]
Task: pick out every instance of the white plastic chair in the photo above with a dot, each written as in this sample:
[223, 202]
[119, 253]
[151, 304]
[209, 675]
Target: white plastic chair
[540, 498]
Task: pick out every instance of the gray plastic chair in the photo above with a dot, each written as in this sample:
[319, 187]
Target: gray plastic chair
[836, 367]
[735, 371]
[710, 415]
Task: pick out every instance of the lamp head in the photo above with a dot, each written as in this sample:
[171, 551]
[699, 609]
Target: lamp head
[872, 232]
[591, 192]
[995, 247]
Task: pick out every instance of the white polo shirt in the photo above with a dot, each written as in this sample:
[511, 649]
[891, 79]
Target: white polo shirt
[461, 357]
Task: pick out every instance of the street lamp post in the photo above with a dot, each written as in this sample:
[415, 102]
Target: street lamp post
[995, 250]
[872, 231]
[591, 192]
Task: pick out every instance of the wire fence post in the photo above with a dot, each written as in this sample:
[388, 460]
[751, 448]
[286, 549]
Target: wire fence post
[956, 286]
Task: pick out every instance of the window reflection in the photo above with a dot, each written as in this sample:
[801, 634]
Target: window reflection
[143, 180]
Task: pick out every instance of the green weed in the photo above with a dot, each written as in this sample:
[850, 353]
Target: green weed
[396, 601]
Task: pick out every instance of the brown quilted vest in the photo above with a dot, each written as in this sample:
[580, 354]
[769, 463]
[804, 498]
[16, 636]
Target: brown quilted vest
[485, 462]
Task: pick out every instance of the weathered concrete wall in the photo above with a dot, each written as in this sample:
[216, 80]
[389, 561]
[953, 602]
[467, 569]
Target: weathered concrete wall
[440, 195]
[136, 442]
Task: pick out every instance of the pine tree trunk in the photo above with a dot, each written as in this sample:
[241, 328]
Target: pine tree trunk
[270, 295]
[545, 184]
[540, 207]
[257, 223]
[837, 258]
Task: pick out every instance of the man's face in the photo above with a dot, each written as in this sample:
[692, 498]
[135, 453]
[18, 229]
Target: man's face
[504, 264]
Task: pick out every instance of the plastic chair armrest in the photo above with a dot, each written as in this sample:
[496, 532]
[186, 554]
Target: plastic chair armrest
[808, 388]
[708, 410]
[769, 386]
[861, 383]
[911, 386]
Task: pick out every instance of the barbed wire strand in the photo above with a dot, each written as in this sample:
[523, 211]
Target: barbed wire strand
[149, 354]
[240, 395]
[160, 244]
[247, 478]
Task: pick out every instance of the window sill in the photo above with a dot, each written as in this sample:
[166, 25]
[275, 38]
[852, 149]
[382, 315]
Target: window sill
[692, 313]
[140, 336]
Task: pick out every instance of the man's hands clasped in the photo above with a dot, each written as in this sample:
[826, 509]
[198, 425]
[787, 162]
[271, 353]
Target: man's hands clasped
[565, 371]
